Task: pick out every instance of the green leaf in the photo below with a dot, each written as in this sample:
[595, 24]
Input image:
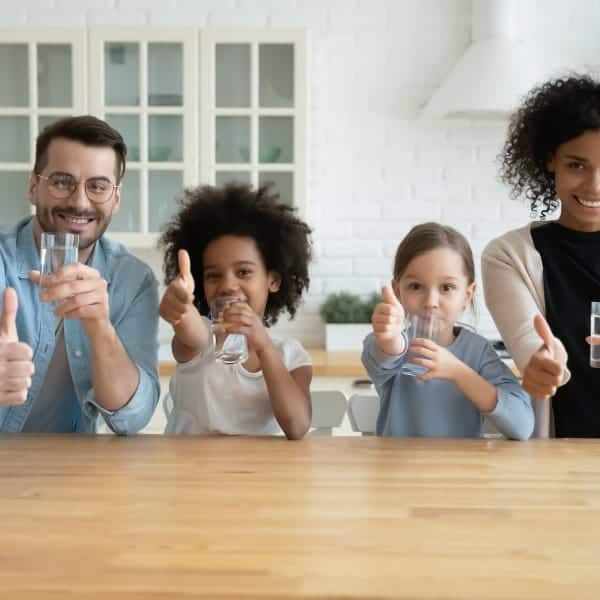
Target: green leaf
[344, 307]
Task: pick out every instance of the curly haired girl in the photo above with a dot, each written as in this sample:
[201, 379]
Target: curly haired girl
[242, 243]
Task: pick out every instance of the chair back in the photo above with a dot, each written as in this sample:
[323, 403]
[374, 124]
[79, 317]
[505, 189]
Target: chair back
[328, 410]
[362, 412]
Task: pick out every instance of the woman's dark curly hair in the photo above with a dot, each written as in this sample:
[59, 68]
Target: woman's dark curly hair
[283, 240]
[551, 114]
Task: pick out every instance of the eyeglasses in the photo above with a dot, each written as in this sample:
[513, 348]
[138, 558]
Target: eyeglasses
[62, 186]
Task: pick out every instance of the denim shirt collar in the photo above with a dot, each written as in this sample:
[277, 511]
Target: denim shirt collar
[29, 258]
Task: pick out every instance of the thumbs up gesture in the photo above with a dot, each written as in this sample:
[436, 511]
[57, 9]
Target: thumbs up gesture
[16, 366]
[388, 323]
[178, 299]
[545, 369]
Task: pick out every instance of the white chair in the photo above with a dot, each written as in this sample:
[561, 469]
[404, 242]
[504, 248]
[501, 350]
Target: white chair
[328, 410]
[362, 412]
[167, 404]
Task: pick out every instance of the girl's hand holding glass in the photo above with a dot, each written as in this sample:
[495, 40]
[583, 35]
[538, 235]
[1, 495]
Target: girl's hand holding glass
[239, 318]
[388, 323]
[438, 360]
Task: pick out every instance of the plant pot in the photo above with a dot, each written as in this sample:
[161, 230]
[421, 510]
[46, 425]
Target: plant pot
[346, 337]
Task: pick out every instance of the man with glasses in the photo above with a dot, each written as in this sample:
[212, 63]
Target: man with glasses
[84, 343]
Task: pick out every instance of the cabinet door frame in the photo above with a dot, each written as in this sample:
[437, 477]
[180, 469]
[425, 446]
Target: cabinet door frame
[209, 38]
[199, 161]
[187, 37]
[77, 39]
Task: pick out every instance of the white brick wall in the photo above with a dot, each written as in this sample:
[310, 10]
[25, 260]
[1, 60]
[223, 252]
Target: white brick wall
[376, 169]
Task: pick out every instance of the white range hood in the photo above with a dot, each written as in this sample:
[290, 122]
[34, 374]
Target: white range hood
[495, 72]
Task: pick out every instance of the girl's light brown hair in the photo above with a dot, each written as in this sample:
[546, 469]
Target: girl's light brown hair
[430, 236]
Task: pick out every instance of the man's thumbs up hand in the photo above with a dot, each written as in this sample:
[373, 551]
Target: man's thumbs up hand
[16, 366]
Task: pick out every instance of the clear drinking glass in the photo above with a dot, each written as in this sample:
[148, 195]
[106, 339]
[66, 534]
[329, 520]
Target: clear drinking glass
[595, 332]
[58, 250]
[232, 348]
[426, 326]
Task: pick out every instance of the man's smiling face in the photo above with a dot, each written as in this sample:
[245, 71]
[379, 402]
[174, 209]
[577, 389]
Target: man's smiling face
[75, 214]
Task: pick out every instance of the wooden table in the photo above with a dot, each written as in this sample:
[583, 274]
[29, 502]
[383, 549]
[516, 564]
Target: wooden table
[232, 518]
[325, 364]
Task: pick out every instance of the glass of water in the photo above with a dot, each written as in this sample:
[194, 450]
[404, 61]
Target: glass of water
[426, 326]
[595, 333]
[57, 250]
[232, 348]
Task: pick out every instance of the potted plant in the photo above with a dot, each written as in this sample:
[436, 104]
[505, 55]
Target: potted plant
[347, 320]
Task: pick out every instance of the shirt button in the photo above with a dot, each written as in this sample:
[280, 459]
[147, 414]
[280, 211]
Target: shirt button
[78, 353]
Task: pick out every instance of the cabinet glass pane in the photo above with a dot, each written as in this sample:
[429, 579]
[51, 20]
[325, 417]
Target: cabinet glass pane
[283, 184]
[276, 140]
[122, 74]
[129, 127]
[232, 72]
[232, 142]
[55, 75]
[14, 139]
[276, 75]
[165, 75]
[14, 75]
[127, 219]
[164, 188]
[223, 177]
[165, 138]
[44, 121]
[15, 206]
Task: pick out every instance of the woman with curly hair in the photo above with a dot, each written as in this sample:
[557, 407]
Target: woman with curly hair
[242, 243]
[539, 280]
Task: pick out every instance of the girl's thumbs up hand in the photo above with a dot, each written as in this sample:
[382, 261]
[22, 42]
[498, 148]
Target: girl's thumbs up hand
[388, 323]
[185, 271]
[178, 299]
[387, 293]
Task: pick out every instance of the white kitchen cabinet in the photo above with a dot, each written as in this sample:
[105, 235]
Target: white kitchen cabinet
[254, 110]
[145, 86]
[194, 106]
[42, 78]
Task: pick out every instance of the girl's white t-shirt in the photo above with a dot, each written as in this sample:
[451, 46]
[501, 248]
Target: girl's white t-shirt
[209, 397]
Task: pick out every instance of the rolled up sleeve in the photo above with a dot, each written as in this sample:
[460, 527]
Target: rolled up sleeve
[138, 332]
[513, 415]
[380, 366]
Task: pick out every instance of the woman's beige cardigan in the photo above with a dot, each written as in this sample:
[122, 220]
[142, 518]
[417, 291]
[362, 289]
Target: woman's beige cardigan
[513, 285]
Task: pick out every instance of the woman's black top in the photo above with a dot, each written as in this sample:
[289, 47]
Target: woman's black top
[571, 261]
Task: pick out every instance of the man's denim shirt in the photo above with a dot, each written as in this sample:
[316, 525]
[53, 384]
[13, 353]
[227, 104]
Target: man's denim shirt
[133, 305]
